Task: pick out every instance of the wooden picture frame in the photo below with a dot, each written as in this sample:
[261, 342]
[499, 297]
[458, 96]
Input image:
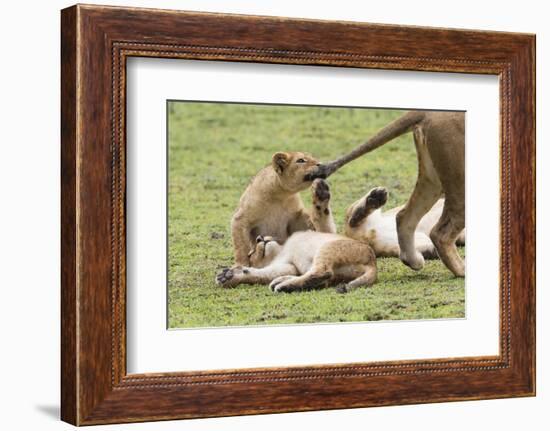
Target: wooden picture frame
[95, 43]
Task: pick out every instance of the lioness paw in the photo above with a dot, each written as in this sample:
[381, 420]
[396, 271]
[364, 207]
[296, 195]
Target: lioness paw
[415, 262]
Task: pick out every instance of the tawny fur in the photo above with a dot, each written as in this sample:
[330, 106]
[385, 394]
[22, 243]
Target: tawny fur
[439, 140]
[308, 260]
[271, 204]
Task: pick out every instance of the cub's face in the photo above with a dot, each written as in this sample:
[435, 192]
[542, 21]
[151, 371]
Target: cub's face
[264, 251]
[296, 170]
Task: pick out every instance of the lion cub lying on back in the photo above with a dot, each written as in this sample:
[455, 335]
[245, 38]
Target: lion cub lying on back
[366, 222]
[307, 260]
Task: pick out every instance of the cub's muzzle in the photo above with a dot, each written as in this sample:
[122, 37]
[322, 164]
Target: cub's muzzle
[321, 171]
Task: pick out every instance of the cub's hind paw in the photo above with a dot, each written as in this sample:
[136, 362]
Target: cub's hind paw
[286, 287]
[342, 288]
[377, 197]
[274, 283]
[429, 253]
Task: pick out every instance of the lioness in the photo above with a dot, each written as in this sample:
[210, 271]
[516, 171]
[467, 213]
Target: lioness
[439, 140]
[366, 222]
[271, 204]
[308, 260]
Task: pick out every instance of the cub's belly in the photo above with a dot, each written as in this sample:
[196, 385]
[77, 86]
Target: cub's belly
[275, 224]
[303, 264]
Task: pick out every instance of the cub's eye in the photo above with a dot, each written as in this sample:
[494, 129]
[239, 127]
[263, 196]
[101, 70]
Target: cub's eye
[301, 161]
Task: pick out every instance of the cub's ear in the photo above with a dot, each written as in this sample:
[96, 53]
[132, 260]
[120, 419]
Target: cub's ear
[280, 161]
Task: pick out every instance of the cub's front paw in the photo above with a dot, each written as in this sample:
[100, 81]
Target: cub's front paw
[230, 277]
[320, 190]
[320, 196]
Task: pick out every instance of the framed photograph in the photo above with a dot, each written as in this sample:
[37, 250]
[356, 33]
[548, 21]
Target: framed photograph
[264, 214]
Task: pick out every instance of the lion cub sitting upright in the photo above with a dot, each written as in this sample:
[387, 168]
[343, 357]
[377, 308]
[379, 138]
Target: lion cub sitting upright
[271, 204]
[308, 260]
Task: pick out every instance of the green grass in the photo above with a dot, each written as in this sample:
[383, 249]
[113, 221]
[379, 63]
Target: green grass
[214, 150]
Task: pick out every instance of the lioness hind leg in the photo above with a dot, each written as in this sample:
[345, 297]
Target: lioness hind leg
[426, 193]
[444, 236]
[461, 239]
[321, 213]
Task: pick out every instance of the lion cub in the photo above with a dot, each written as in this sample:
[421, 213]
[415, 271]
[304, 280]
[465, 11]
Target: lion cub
[308, 260]
[366, 222]
[271, 204]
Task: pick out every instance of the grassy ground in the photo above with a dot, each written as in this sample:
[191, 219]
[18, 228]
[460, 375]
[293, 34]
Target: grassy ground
[214, 150]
